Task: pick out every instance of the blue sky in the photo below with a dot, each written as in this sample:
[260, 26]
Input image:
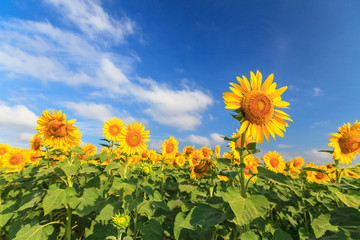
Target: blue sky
[167, 63]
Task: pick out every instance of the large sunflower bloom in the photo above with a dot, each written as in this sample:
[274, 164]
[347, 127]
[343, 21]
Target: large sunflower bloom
[195, 157]
[207, 152]
[134, 138]
[259, 103]
[56, 131]
[346, 142]
[169, 148]
[113, 128]
[274, 162]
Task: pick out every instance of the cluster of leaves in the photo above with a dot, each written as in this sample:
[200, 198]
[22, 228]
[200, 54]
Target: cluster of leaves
[73, 199]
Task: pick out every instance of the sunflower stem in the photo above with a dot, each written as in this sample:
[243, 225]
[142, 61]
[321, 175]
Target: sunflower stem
[242, 170]
[68, 223]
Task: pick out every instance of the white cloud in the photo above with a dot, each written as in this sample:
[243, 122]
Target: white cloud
[17, 115]
[317, 92]
[88, 16]
[214, 139]
[100, 112]
[317, 157]
[284, 146]
[16, 125]
[319, 124]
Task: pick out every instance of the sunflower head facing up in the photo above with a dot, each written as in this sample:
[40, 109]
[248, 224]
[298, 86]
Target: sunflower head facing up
[258, 104]
[169, 148]
[133, 138]
[274, 162]
[346, 142]
[56, 131]
[113, 128]
[199, 170]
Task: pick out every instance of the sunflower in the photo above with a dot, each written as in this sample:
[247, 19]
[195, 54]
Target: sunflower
[259, 104]
[113, 128]
[179, 161]
[274, 162]
[351, 174]
[121, 221]
[187, 151]
[133, 138]
[195, 157]
[4, 148]
[217, 151]
[56, 131]
[36, 143]
[346, 142]
[233, 145]
[297, 162]
[16, 159]
[154, 156]
[169, 148]
[207, 152]
[320, 177]
[199, 170]
[35, 156]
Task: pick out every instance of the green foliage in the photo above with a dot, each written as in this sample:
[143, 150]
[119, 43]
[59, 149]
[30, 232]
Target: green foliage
[45, 201]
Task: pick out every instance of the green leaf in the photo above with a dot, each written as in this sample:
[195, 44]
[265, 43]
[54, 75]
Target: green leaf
[91, 200]
[321, 224]
[281, 235]
[245, 209]
[35, 232]
[223, 163]
[187, 188]
[206, 216]
[106, 213]
[7, 211]
[152, 230]
[69, 168]
[264, 173]
[347, 199]
[249, 236]
[54, 199]
[345, 216]
[30, 200]
[112, 165]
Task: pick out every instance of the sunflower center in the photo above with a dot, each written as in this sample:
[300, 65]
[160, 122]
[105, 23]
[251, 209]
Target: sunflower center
[57, 128]
[297, 163]
[133, 138]
[169, 148]
[2, 151]
[274, 162]
[114, 130]
[257, 107]
[121, 220]
[319, 175]
[350, 142]
[15, 159]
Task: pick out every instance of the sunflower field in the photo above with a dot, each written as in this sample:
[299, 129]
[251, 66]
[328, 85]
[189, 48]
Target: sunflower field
[58, 189]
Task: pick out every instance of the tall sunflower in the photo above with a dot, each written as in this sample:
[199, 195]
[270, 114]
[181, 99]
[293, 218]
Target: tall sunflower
[4, 148]
[56, 131]
[169, 148]
[274, 162]
[259, 104]
[113, 128]
[134, 138]
[346, 142]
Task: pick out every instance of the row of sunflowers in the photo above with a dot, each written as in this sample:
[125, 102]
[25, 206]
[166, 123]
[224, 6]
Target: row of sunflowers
[58, 189]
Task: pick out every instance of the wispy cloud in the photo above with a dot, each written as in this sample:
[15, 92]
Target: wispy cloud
[317, 157]
[284, 146]
[90, 18]
[319, 124]
[317, 92]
